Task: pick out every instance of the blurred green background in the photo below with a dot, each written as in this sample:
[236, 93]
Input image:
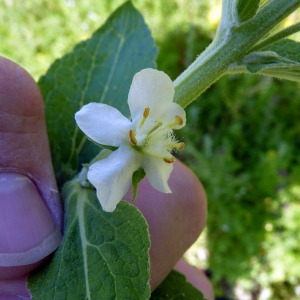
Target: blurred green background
[242, 137]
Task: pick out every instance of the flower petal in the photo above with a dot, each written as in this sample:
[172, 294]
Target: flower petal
[150, 88]
[112, 176]
[158, 173]
[103, 123]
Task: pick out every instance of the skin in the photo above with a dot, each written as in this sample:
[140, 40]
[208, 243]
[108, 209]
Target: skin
[24, 153]
[181, 217]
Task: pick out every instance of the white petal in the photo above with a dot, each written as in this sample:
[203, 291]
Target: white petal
[103, 123]
[112, 176]
[150, 88]
[158, 173]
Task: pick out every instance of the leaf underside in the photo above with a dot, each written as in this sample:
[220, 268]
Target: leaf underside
[280, 60]
[176, 287]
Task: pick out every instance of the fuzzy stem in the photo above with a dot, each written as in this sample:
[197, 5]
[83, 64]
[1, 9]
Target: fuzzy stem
[232, 41]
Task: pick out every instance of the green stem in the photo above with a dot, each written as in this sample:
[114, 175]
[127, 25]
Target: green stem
[232, 41]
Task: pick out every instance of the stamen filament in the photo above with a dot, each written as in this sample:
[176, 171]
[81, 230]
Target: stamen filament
[157, 155]
[155, 127]
[177, 121]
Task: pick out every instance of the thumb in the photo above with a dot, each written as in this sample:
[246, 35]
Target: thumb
[30, 209]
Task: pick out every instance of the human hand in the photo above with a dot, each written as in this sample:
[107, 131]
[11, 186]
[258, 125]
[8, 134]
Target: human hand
[30, 208]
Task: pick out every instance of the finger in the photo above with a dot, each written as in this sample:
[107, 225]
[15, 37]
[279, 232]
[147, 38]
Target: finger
[14, 289]
[196, 277]
[30, 207]
[175, 220]
[23, 140]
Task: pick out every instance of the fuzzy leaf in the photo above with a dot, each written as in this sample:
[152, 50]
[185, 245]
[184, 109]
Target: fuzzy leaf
[176, 287]
[280, 60]
[102, 256]
[99, 70]
[287, 48]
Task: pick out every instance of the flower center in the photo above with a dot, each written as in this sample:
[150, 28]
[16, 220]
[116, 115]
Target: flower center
[156, 139]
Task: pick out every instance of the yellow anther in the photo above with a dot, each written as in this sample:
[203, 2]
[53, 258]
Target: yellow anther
[178, 120]
[132, 137]
[169, 160]
[146, 112]
[179, 146]
[145, 116]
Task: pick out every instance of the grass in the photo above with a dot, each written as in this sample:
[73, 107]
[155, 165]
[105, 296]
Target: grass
[242, 137]
[34, 32]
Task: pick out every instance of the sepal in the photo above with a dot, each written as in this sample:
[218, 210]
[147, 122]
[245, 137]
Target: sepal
[137, 177]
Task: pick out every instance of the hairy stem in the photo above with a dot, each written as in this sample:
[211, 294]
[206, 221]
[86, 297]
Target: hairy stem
[233, 40]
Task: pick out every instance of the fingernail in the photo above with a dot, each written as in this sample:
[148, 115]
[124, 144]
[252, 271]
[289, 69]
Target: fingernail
[28, 232]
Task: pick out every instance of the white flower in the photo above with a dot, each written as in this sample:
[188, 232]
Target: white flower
[146, 141]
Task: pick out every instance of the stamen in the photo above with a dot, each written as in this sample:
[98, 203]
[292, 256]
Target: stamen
[179, 146]
[132, 137]
[146, 112]
[158, 155]
[177, 121]
[145, 116]
[169, 160]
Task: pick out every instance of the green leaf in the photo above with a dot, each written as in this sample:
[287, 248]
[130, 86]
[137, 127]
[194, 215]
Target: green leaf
[258, 61]
[97, 70]
[287, 48]
[176, 287]
[280, 60]
[247, 9]
[102, 256]
[136, 179]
